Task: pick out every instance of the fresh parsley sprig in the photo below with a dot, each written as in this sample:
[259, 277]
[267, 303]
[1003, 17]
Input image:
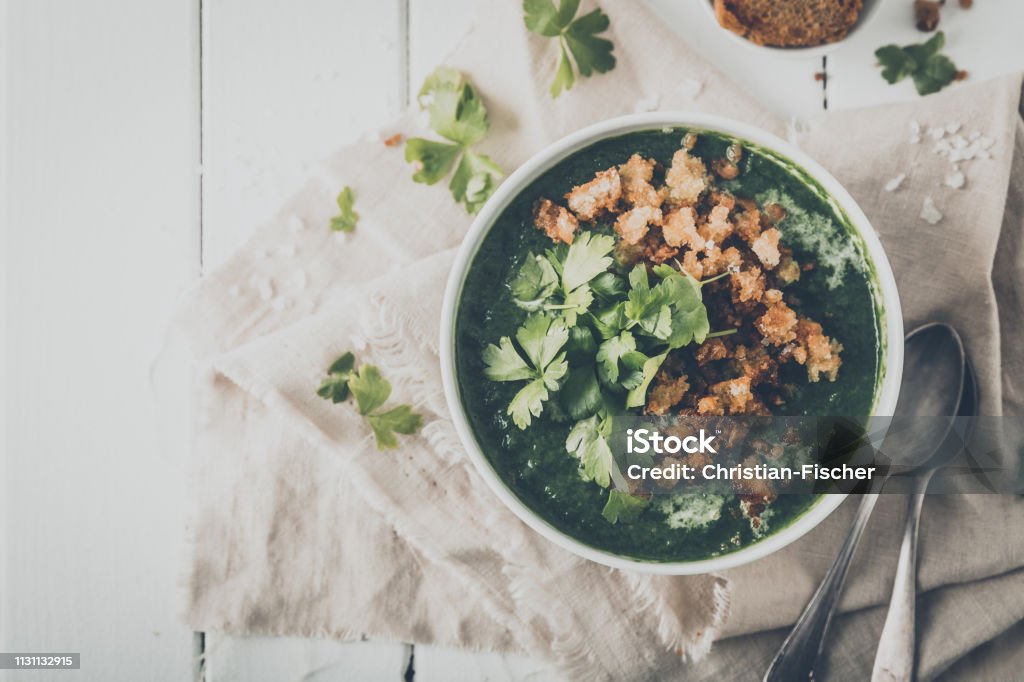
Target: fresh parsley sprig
[456, 113]
[930, 70]
[371, 391]
[577, 36]
[347, 217]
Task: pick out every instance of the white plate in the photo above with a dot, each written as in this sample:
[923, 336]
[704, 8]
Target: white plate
[869, 12]
[891, 326]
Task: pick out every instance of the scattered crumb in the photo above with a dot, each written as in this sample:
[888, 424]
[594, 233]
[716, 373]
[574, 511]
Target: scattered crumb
[295, 224]
[895, 183]
[962, 75]
[930, 213]
[692, 88]
[819, 76]
[394, 140]
[956, 179]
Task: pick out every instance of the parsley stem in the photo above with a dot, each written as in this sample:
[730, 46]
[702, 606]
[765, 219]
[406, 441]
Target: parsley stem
[715, 278]
[724, 332]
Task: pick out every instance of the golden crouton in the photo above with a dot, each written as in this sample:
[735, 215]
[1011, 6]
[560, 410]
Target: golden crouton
[692, 266]
[680, 229]
[717, 261]
[710, 406]
[778, 324]
[747, 285]
[718, 228]
[755, 363]
[555, 221]
[822, 353]
[709, 351]
[748, 225]
[666, 392]
[788, 271]
[686, 179]
[636, 176]
[600, 194]
[771, 296]
[767, 247]
[632, 225]
[734, 394]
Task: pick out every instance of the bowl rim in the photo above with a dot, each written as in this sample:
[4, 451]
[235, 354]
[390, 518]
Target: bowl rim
[891, 326]
[869, 13]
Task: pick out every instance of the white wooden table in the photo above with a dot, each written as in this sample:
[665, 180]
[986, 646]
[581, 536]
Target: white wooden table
[142, 143]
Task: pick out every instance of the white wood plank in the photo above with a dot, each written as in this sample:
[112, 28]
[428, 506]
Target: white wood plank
[784, 84]
[284, 85]
[436, 664]
[101, 228]
[292, 659]
[984, 40]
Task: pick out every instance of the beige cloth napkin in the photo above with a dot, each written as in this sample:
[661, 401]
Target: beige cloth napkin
[300, 527]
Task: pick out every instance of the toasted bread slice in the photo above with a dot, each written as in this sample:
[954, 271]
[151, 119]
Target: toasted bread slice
[789, 23]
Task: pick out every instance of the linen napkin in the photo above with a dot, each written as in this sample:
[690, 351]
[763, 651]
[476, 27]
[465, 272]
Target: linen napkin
[300, 527]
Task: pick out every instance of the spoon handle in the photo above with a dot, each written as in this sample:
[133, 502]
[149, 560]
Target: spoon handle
[894, 660]
[800, 651]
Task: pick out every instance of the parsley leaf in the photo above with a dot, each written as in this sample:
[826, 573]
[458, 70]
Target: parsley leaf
[689, 316]
[535, 282]
[347, 217]
[581, 393]
[335, 386]
[588, 443]
[587, 258]
[637, 396]
[930, 70]
[621, 506]
[558, 282]
[457, 113]
[611, 351]
[385, 425]
[575, 36]
[541, 338]
[371, 390]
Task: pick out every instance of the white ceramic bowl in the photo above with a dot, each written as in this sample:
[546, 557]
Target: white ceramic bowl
[868, 14]
[889, 303]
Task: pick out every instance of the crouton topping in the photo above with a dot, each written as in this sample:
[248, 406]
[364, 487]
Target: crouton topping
[686, 179]
[767, 247]
[666, 392]
[601, 194]
[637, 189]
[778, 324]
[632, 225]
[680, 229]
[555, 221]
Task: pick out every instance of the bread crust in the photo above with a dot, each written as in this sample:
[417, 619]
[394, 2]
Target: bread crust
[794, 23]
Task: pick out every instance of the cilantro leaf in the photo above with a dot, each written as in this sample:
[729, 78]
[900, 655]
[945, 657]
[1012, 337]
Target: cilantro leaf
[587, 258]
[534, 283]
[432, 159]
[611, 351]
[621, 506]
[576, 36]
[587, 443]
[385, 425]
[542, 17]
[590, 52]
[369, 388]
[608, 286]
[609, 321]
[638, 396]
[689, 316]
[347, 217]
[576, 303]
[923, 62]
[335, 386]
[475, 180]
[581, 346]
[504, 362]
[528, 403]
[646, 306]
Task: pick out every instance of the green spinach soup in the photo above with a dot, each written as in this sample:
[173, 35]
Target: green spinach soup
[673, 274]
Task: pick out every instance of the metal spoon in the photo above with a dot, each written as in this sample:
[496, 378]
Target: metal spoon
[894, 660]
[932, 389]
